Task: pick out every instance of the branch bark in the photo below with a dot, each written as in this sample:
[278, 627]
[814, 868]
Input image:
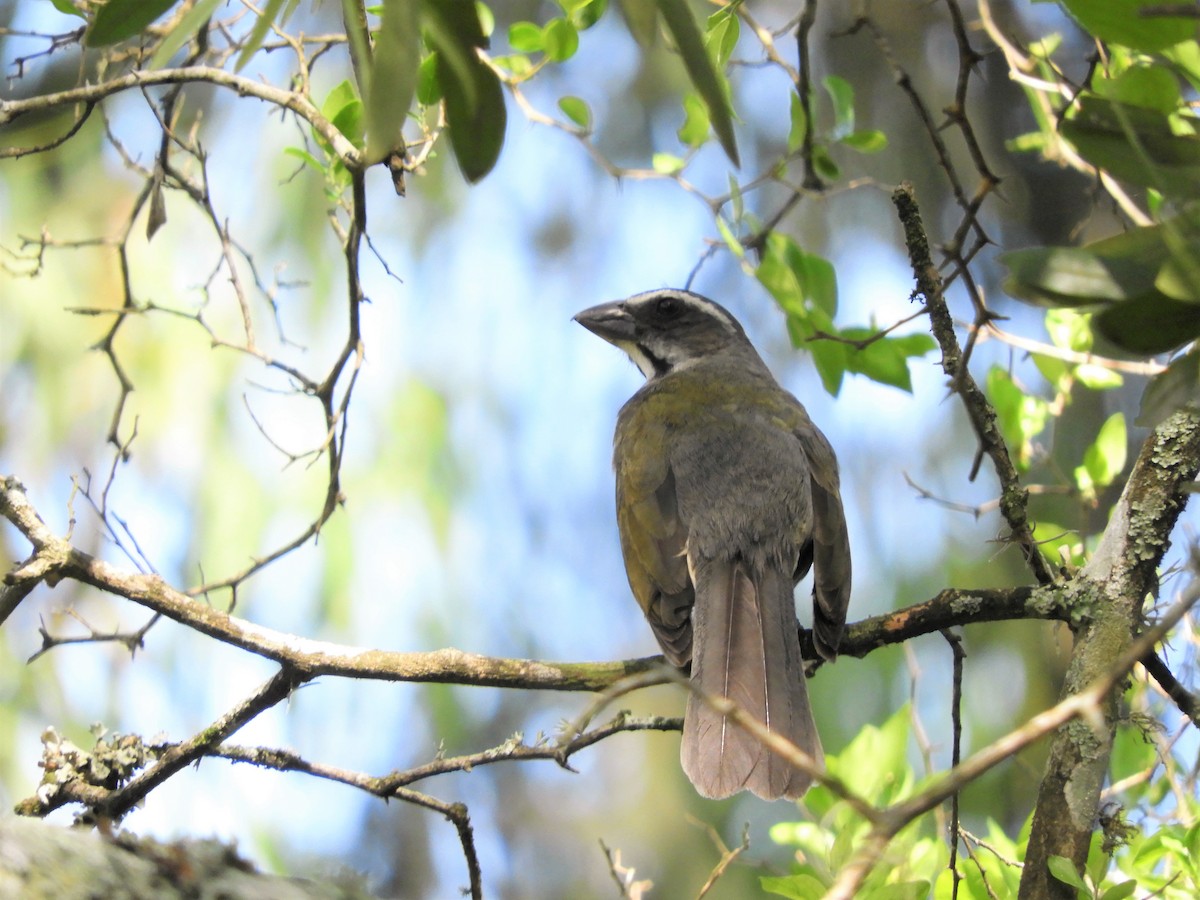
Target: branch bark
[1108, 594]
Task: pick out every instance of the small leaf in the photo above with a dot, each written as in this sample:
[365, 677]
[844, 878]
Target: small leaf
[666, 163]
[68, 8]
[561, 40]
[842, 95]
[525, 37]
[694, 130]
[799, 125]
[866, 141]
[709, 82]
[577, 111]
[1069, 329]
[429, 90]
[730, 239]
[117, 20]
[1105, 458]
[1098, 378]
[1153, 87]
[1021, 417]
[723, 30]
[1064, 870]
[824, 164]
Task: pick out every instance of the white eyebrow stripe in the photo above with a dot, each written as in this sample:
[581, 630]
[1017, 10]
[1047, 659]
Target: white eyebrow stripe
[695, 301]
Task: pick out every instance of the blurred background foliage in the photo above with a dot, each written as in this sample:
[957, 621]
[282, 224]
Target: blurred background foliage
[478, 509]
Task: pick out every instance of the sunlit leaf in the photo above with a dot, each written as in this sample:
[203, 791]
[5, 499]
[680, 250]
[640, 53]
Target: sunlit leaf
[794, 887]
[694, 130]
[525, 37]
[1064, 870]
[561, 40]
[1021, 416]
[1098, 378]
[666, 163]
[1151, 86]
[866, 141]
[576, 110]
[1105, 458]
[721, 36]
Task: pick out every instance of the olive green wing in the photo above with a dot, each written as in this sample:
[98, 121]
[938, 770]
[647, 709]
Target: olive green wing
[654, 541]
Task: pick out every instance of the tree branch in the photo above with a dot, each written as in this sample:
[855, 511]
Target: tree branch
[246, 87]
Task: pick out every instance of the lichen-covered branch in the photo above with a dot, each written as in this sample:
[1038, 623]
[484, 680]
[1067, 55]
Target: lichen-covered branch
[1111, 589]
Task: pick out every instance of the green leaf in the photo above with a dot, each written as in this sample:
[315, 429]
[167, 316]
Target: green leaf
[475, 113]
[429, 89]
[258, 34]
[577, 111]
[875, 762]
[709, 82]
[666, 163]
[117, 20]
[1098, 378]
[1136, 144]
[1069, 329]
[1150, 86]
[723, 30]
[393, 80]
[1171, 390]
[730, 239]
[1120, 891]
[842, 95]
[886, 360]
[1059, 545]
[824, 164]
[830, 358]
[1150, 324]
[1120, 23]
[799, 125]
[694, 130]
[1064, 870]
[866, 141]
[1021, 417]
[561, 40]
[307, 158]
[183, 31]
[1105, 458]
[68, 8]
[343, 108]
[794, 887]
[525, 37]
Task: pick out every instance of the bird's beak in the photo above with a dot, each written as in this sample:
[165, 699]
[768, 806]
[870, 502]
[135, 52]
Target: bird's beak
[610, 321]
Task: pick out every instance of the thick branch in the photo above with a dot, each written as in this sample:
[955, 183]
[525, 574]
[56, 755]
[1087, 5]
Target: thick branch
[1112, 589]
[91, 93]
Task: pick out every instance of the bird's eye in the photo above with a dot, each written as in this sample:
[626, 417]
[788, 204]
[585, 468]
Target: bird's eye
[668, 307]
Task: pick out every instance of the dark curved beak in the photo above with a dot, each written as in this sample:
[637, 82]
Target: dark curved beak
[610, 321]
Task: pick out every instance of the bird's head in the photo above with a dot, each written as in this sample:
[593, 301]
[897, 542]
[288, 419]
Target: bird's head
[666, 330]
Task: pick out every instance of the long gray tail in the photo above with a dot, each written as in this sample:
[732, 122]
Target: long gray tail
[745, 648]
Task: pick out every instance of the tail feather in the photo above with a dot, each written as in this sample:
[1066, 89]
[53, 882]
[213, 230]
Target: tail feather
[745, 648]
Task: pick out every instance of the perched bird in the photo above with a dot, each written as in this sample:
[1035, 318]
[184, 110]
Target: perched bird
[727, 494]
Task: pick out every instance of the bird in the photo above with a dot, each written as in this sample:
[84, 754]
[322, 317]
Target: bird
[726, 495]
